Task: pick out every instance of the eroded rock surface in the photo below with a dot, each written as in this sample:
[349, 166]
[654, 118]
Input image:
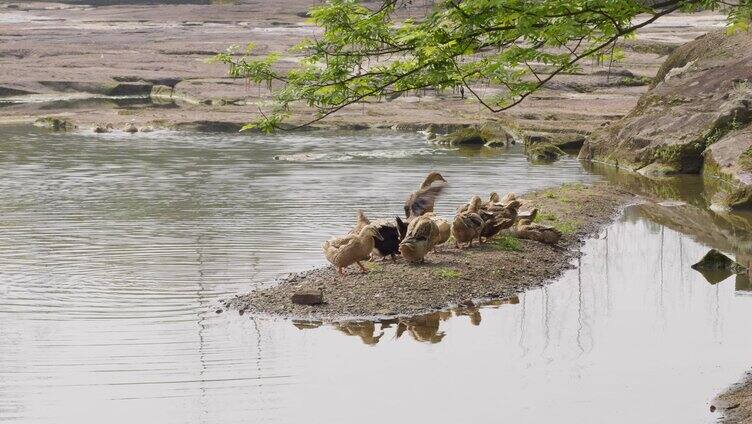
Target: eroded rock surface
[696, 118]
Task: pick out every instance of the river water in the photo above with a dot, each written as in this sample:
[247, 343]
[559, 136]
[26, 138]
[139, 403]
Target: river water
[115, 250]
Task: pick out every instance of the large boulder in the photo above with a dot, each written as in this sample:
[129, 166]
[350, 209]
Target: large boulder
[695, 118]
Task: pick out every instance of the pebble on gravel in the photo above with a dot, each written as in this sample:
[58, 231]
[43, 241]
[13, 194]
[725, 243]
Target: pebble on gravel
[308, 297]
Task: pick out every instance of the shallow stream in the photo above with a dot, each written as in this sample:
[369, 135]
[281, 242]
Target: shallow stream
[115, 250]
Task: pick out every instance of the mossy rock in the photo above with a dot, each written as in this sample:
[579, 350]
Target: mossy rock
[745, 160]
[735, 197]
[55, 124]
[463, 137]
[656, 169]
[636, 81]
[564, 141]
[491, 134]
[500, 134]
[544, 153]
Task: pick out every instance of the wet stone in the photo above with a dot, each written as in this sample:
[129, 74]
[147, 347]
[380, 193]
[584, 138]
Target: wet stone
[308, 297]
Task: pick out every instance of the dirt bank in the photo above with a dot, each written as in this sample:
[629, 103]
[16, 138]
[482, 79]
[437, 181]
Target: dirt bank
[735, 404]
[499, 269]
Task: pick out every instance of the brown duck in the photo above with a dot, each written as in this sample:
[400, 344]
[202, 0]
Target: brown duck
[444, 229]
[468, 225]
[527, 229]
[423, 200]
[421, 235]
[351, 248]
[499, 215]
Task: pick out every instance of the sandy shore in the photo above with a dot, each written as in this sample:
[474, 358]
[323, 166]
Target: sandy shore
[451, 277]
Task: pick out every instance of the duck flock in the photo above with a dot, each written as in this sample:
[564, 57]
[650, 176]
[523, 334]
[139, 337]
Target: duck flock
[422, 230]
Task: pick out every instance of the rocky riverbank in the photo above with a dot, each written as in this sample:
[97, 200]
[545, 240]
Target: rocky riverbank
[451, 277]
[735, 404]
[146, 65]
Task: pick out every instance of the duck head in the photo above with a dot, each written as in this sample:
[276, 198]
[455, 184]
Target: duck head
[475, 204]
[494, 197]
[431, 178]
[514, 204]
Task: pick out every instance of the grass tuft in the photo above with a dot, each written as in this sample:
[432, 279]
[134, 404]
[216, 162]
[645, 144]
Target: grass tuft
[449, 273]
[545, 216]
[566, 227]
[372, 266]
[507, 244]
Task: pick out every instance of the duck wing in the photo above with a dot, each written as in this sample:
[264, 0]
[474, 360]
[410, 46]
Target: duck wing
[422, 229]
[340, 243]
[423, 200]
[471, 220]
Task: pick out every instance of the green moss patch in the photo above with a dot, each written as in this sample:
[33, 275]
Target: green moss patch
[507, 243]
[447, 273]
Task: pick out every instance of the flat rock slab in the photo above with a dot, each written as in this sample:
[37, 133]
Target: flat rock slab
[308, 297]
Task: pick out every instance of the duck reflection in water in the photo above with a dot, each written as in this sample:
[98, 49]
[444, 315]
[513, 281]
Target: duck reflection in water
[422, 328]
[366, 330]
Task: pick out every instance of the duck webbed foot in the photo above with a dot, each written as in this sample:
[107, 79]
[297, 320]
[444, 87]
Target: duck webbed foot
[364, 269]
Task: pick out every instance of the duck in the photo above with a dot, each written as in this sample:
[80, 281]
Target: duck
[527, 229]
[444, 230]
[391, 232]
[494, 201]
[508, 198]
[351, 248]
[499, 215]
[421, 234]
[468, 225]
[423, 200]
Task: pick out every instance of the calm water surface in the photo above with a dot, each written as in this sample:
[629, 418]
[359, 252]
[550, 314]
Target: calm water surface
[115, 249]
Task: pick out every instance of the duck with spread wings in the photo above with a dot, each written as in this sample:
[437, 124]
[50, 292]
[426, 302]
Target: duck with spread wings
[423, 200]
